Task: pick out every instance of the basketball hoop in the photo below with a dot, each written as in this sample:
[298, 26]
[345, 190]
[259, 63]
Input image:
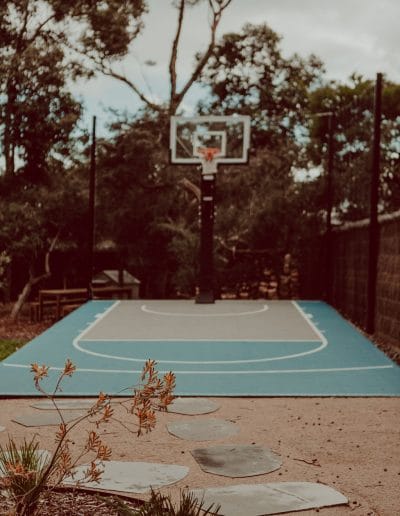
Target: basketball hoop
[209, 141]
[207, 156]
[208, 153]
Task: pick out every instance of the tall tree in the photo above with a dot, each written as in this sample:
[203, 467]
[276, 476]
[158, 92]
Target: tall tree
[33, 36]
[38, 126]
[159, 206]
[248, 74]
[176, 94]
[352, 105]
[34, 218]
[143, 207]
[264, 207]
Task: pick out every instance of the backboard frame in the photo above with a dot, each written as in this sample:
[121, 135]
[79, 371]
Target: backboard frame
[195, 158]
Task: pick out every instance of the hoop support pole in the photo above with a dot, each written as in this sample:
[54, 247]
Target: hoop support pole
[207, 215]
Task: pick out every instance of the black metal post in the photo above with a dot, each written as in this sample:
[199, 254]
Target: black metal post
[206, 272]
[329, 206]
[91, 223]
[373, 216]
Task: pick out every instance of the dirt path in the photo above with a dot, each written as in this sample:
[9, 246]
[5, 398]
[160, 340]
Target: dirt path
[350, 444]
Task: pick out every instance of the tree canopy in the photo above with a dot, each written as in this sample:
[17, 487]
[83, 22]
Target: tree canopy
[35, 68]
[352, 107]
[147, 207]
[171, 105]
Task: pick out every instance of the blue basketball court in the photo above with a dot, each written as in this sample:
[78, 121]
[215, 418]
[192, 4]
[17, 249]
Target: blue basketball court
[230, 348]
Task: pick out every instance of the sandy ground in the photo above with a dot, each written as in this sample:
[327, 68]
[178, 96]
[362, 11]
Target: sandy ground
[351, 444]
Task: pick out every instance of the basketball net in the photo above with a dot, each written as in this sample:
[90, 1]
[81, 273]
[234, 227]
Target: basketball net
[208, 161]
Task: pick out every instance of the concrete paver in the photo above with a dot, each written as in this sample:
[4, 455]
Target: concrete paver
[64, 404]
[193, 406]
[46, 418]
[273, 498]
[232, 460]
[203, 429]
[133, 477]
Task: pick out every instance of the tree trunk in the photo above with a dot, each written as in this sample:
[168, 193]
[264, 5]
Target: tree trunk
[24, 294]
[8, 140]
[7, 285]
[32, 281]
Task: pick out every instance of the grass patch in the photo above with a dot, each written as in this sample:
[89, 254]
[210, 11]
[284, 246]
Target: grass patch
[9, 346]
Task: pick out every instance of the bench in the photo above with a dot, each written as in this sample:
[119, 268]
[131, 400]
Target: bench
[49, 307]
[34, 309]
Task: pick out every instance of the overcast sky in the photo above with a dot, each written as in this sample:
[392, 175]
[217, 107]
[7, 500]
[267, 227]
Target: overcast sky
[349, 36]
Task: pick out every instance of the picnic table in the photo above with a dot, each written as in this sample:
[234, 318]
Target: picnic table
[57, 299]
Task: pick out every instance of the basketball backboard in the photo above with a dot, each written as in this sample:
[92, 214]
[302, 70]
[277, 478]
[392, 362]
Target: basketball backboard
[227, 136]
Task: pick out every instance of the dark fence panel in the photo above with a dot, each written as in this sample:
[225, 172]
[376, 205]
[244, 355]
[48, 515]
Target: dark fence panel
[350, 270]
[387, 321]
[350, 273]
[312, 258]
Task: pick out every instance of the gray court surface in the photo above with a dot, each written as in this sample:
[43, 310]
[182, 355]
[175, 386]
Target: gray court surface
[229, 320]
[230, 348]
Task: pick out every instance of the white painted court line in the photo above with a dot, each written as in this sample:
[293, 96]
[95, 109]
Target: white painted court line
[190, 339]
[145, 309]
[310, 323]
[322, 339]
[264, 371]
[194, 362]
[98, 318]
[78, 340]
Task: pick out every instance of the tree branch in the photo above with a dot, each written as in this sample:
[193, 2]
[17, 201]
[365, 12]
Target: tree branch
[39, 28]
[106, 70]
[191, 187]
[174, 52]
[125, 80]
[101, 67]
[217, 11]
[23, 29]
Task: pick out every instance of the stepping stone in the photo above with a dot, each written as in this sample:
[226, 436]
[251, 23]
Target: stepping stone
[65, 404]
[133, 477]
[273, 498]
[192, 406]
[237, 460]
[44, 456]
[202, 429]
[46, 419]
